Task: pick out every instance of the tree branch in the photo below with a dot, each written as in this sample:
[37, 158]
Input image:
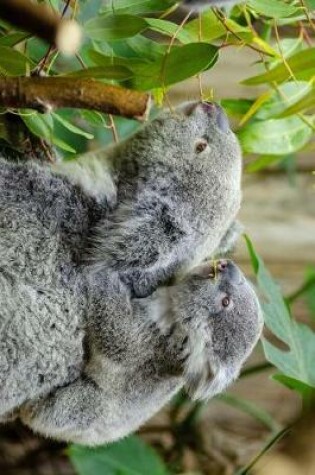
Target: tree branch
[42, 21]
[48, 93]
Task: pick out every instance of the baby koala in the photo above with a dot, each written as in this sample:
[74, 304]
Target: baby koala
[139, 352]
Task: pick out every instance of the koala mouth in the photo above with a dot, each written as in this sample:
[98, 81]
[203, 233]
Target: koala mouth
[222, 269]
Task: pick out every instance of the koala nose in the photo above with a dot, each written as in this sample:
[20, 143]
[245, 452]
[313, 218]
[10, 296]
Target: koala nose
[214, 110]
[221, 265]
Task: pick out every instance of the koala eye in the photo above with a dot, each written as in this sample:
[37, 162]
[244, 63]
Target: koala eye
[225, 302]
[201, 145]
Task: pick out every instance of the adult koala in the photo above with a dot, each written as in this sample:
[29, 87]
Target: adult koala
[163, 199]
[173, 192]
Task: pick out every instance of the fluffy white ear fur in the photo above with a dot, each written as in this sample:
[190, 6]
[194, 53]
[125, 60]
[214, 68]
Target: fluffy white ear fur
[203, 379]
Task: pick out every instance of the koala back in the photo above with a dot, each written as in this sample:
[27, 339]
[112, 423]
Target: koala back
[44, 223]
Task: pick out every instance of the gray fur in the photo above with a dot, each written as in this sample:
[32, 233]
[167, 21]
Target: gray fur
[141, 352]
[79, 359]
[170, 206]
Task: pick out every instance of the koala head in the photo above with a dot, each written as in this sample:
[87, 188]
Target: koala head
[223, 320]
[196, 133]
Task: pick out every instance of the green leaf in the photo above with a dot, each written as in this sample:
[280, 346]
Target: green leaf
[73, 128]
[275, 136]
[237, 107]
[303, 389]
[93, 117]
[40, 125]
[114, 27]
[181, 63]
[137, 7]
[12, 62]
[274, 8]
[210, 28]
[298, 361]
[114, 62]
[130, 456]
[305, 103]
[302, 64]
[168, 28]
[145, 48]
[287, 94]
[13, 39]
[262, 162]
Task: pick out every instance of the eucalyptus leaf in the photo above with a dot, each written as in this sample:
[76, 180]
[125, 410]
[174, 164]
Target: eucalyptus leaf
[301, 64]
[262, 162]
[129, 456]
[168, 28]
[14, 38]
[274, 8]
[180, 63]
[71, 127]
[40, 125]
[305, 103]
[209, 27]
[297, 361]
[114, 27]
[275, 136]
[137, 7]
[12, 62]
[286, 94]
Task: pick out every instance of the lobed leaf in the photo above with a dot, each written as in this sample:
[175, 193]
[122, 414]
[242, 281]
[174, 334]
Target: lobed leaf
[129, 456]
[297, 362]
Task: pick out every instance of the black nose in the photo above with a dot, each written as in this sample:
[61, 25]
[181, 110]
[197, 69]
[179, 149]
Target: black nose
[214, 110]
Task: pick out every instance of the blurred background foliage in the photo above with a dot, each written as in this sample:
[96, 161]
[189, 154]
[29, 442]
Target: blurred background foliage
[152, 45]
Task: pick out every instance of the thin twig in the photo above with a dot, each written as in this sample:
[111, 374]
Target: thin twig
[222, 20]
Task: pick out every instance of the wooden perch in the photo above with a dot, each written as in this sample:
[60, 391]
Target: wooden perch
[48, 93]
[42, 21]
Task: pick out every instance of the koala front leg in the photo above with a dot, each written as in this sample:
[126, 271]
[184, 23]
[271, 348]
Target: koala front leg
[68, 413]
[93, 173]
[142, 245]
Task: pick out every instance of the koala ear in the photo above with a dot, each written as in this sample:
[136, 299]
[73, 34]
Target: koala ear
[207, 383]
[198, 371]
